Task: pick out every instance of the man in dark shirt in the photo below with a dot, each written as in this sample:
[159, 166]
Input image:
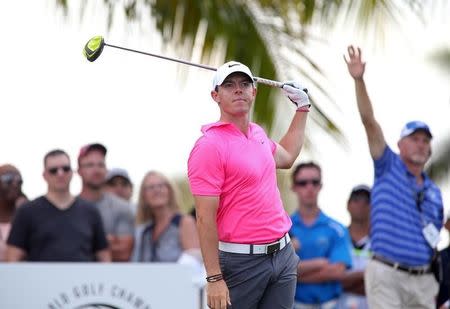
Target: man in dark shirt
[57, 226]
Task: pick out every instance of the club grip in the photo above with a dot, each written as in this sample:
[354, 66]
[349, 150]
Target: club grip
[271, 83]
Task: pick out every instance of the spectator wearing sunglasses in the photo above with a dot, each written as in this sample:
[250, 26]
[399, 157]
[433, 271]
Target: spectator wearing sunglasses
[10, 191]
[324, 249]
[57, 227]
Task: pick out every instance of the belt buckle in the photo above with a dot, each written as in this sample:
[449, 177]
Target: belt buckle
[273, 248]
[422, 271]
[417, 271]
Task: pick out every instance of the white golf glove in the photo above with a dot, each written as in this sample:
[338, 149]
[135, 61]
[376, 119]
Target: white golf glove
[297, 94]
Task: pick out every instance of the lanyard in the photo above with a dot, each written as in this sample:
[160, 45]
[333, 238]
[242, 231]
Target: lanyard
[420, 198]
[419, 195]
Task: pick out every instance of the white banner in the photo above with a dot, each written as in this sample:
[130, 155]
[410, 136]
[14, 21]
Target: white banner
[97, 285]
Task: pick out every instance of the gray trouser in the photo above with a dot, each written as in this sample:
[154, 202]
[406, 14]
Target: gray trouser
[261, 281]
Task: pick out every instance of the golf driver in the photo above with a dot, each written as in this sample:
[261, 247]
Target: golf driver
[94, 47]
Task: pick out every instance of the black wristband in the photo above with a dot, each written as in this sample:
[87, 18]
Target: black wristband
[214, 278]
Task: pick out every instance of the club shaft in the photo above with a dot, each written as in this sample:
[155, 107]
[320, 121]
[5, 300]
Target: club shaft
[259, 80]
[163, 57]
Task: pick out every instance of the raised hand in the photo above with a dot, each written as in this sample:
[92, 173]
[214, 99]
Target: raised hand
[355, 65]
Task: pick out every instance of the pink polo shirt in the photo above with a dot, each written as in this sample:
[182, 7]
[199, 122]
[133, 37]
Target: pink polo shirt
[241, 171]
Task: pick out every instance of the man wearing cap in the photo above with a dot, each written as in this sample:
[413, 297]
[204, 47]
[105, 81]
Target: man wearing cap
[118, 182]
[243, 228]
[358, 206]
[116, 213]
[406, 211]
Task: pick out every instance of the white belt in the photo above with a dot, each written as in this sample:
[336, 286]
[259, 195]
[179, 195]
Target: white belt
[255, 249]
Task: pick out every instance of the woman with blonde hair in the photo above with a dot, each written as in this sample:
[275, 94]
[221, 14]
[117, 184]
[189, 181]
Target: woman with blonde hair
[163, 233]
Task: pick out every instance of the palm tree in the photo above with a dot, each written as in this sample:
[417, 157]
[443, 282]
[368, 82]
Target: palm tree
[264, 34]
[271, 36]
[439, 167]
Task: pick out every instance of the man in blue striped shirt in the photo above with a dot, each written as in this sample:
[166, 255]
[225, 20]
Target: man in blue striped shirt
[407, 209]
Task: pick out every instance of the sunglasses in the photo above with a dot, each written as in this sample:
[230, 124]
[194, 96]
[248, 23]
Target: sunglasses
[305, 182]
[11, 178]
[64, 168]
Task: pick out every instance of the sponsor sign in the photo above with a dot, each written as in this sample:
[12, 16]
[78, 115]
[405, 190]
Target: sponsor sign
[97, 285]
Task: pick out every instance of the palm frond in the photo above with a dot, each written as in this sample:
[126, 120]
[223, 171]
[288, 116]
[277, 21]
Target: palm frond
[226, 22]
[439, 167]
[255, 32]
[441, 59]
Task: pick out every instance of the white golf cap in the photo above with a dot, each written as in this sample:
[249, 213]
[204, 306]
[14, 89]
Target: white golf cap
[228, 68]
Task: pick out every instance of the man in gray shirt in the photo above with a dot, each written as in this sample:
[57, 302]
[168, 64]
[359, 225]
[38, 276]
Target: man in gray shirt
[116, 213]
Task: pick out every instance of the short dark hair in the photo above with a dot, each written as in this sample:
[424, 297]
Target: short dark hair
[304, 165]
[54, 153]
[359, 194]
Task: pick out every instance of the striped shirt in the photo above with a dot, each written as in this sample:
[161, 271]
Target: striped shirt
[396, 222]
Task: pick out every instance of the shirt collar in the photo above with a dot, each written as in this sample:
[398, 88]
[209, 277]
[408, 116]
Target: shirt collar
[321, 218]
[206, 127]
[230, 126]
[426, 180]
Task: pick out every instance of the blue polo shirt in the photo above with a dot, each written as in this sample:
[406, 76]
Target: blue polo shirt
[325, 238]
[396, 222]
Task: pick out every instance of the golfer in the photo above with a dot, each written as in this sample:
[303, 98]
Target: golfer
[241, 221]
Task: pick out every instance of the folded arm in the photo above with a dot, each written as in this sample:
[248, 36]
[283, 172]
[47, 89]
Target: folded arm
[323, 273]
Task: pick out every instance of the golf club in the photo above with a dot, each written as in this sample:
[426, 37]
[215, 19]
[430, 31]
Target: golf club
[94, 47]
